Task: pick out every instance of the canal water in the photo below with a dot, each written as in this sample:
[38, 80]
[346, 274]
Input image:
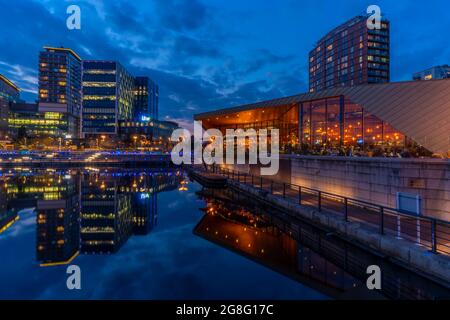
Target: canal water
[155, 234]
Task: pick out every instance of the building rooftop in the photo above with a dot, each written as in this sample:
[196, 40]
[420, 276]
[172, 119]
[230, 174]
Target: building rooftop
[344, 26]
[9, 82]
[63, 49]
[419, 109]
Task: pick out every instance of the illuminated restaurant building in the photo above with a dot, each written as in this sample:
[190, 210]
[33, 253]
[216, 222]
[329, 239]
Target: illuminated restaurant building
[60, 86]
[9, 93]
[369, 119]
[108, 96]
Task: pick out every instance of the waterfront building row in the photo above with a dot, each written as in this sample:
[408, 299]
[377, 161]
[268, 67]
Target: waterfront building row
[77, 98]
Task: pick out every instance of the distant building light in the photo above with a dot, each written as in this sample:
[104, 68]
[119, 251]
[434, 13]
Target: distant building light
[145, 118]
[145, 196]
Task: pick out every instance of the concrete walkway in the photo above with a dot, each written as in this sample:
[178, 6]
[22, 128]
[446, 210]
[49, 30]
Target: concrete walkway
[412, 256]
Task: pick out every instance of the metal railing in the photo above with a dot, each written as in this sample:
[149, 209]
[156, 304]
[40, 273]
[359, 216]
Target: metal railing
[431, 233]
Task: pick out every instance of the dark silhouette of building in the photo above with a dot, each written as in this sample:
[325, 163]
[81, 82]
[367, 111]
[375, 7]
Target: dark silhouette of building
[433, 73]
[146, 99]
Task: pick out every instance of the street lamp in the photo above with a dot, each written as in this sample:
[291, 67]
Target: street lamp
[135, 141]
[103, 139]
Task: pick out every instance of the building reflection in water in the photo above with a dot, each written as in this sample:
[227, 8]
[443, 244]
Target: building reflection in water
[302, 252]
[87, 212]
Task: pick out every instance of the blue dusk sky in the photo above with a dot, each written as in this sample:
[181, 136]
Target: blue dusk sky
[208, 54]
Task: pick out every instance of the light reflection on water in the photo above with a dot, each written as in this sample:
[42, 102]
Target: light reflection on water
[153, 234]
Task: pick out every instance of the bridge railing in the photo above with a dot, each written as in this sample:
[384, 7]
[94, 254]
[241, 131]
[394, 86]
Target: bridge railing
[429, 232]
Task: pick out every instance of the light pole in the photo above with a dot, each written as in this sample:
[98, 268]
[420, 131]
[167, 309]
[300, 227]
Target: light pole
[103, 139]
[135, 141]
[68, 138]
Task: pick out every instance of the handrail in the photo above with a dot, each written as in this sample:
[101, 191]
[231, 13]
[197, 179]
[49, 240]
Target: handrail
[418, 224]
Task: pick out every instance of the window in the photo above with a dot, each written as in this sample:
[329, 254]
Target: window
[306, 124]
[318, 123]
[333, 123]
[352, 124]
[373, 130]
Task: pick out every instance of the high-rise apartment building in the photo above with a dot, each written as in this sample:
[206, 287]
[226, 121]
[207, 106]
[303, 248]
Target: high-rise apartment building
[108, 95]
[433, 73]
[351, 54]
[60, 86]
[146, 99]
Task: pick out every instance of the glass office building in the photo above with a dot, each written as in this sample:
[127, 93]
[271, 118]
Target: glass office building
[152, 130]
[106, 215]
[108, 95]
[146, 99]
[433, 73]
[349, 55]
[9, 93]
[26, 119]
[60, 86]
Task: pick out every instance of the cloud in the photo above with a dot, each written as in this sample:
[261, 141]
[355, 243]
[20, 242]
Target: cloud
[181, 15]
[207, 54]
[24, 77]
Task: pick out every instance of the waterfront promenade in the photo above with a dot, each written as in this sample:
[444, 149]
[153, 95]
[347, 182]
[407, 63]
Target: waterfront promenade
[419, 243]
[82, 159]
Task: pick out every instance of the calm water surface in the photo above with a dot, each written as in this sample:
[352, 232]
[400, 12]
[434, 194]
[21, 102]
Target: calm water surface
[154, 234]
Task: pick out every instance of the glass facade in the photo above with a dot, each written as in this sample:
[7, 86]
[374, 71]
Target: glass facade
[106, 217]
[26, 117]
[337, 122]
[146, 99]
[9, 93]
[60, 84]
[107, 96]
[285, 119]
[327, 126]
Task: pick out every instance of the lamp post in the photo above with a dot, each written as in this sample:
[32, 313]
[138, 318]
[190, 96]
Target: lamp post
[103, 139]
[68, 138]
[135, 141]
